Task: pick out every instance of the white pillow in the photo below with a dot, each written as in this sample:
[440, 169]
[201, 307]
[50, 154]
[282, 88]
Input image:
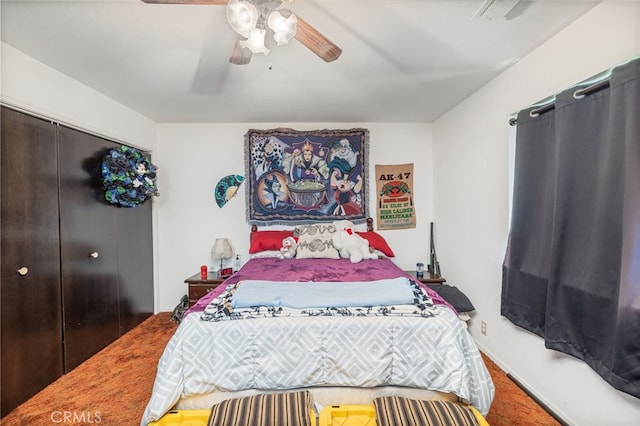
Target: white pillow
[315, 241]
[265, 254]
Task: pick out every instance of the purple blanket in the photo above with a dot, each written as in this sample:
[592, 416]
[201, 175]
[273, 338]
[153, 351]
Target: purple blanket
[302, 270]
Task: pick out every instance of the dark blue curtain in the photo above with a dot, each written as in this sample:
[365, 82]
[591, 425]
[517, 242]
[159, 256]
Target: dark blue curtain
[572, 268]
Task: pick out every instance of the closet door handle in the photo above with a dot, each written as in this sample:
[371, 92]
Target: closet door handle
[23, 271]
[93, 255]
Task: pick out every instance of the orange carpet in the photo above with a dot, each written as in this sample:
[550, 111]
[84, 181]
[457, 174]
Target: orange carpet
[113, 387]
[511, 405]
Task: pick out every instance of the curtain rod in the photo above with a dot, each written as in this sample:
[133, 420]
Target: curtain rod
[578, 94]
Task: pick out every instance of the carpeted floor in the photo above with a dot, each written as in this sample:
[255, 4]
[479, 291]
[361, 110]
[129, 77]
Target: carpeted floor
[114, 386]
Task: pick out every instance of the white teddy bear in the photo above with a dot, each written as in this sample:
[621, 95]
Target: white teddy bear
[350, 245]
[289, 248]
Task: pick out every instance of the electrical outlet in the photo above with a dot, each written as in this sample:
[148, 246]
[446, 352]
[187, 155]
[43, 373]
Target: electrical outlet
[483, 327]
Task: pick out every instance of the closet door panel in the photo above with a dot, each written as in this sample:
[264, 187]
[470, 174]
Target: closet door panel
[88, 246]
[31, 317]
[135, 261]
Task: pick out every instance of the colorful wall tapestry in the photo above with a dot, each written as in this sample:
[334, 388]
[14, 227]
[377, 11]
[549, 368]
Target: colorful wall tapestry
[394, 185]
[299, 177]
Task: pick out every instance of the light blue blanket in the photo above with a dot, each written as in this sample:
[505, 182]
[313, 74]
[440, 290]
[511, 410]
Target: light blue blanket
[300, 295]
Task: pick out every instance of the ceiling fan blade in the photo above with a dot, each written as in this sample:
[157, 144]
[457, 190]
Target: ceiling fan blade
[316, 42]
[212, 2]
[240, 55]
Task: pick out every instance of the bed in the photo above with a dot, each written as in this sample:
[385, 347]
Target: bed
[347, 332]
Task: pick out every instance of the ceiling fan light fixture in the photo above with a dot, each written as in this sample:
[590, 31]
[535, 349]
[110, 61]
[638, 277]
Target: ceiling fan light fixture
[255, 20]
[242, 16]
[255, 42]
[284, 24]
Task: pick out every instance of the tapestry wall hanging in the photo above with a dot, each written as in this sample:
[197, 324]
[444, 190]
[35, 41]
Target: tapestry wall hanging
[298, 177]
[394, 186]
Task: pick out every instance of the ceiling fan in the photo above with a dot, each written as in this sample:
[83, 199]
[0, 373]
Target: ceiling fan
[254, 19]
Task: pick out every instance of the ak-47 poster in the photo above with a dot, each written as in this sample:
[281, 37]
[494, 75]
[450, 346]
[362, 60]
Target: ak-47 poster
[394, 185]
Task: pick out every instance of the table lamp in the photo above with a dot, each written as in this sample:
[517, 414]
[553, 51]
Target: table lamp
[221, 250]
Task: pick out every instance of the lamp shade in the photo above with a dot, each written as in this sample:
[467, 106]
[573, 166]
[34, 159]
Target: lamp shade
[222, 249]
[255, 42]
[284, 25]
[255, 19]
[242, 16]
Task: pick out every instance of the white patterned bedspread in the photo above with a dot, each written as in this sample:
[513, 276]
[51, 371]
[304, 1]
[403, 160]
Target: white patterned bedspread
[291, 352]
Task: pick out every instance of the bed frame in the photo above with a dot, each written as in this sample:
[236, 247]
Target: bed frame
[325, 395]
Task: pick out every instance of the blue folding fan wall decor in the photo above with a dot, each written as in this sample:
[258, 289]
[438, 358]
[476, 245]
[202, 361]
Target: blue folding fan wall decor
[227, 188]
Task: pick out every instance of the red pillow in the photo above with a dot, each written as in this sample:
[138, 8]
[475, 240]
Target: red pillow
[378, 242]
[267, 240]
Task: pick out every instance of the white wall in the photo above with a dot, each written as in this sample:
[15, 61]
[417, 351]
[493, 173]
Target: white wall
[194, 157]
[32, 86]
[471, 205]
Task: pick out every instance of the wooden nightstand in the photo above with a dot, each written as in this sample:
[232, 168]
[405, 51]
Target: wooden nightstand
[427, 278]
[199, 287]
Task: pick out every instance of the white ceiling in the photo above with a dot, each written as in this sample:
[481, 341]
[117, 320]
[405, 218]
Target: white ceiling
[402, 60]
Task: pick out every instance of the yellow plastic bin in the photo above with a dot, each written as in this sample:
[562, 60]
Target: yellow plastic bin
[183, 418]
[348, 415]
[200, 418]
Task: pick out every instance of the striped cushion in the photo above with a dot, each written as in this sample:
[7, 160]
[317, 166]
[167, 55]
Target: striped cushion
[276, 409]
[399, 411]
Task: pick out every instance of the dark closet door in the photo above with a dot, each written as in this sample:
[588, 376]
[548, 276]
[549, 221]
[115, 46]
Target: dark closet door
[88, 248]
[135, 261]
[31, 319]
